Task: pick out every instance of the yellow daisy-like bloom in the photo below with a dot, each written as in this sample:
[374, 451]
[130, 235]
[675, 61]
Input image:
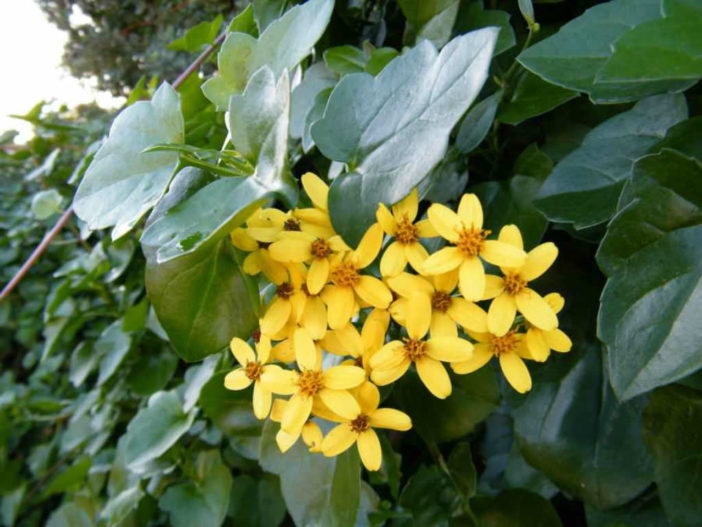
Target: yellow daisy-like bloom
[308, 385]
[509, 349]
[445, 310]
[287, 304]
[512, 293]
[539, 342]
[250, 372]
[347, 281]
[400, 225]
[259, 259]
[359, 428]
[311, 433]
[316, 219]
[395, 358]
[465, 230]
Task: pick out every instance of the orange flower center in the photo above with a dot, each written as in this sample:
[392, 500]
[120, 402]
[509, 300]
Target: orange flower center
[414, 349]
[320, 248]
[310, 383]
[253, 370]
[514, 284]
[285, 290]
[471, 241]
[291, 224]
[441, 301]
[360, 424]
[345, 274]
[406, 231]
[505, 344]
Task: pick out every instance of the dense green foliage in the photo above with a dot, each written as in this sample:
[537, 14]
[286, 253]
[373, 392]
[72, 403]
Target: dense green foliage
[581, 126]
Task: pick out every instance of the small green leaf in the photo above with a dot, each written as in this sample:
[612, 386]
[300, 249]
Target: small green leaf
[516, 508]
[473, 16]
[152, 372]
[477, 123]
[69, 478]
[462, 470]
[430, 497]
[70, 515]
[316, 78]
[533, 96]
[113, 346]
[46, 203]
[345, 59]
[198, 36]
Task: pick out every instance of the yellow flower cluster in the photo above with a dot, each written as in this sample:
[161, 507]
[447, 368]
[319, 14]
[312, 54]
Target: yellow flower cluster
[323, 289]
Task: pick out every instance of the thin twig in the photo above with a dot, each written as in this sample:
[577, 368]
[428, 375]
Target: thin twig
[198, 61]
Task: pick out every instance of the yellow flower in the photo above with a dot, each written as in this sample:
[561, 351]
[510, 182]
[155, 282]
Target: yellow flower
[309, 385]
[509, 349]
[288, 304]
[465, 230]
[539, 342]
[250, 372]
[406, 247]
[359, 428]
[259, 260]
[444, 309]
[311, 433]
[395, 358]
[512, 293]
[347, 280]
[316, 219]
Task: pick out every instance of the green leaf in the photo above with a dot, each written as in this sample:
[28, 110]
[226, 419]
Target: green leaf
[231, 412]
[516, 508]
[198, 36]
[113, 346]
[256, 502]
[123, 182]
[664, 49]
[533, 96]
[120, 506]
[379, 58]
[345, 59]
[134, 318]
[155, 428]
[393, 129]
[672, 433]
[316, 78]
[152, 372]
[651, 253]
[584, 187]
[432, 20]
[430, 497]
[574, 57]
[70, 515]
[330, 495]
[83, 361]
[267, 11]
[283, 44]
[578, 434]
[195, 379]
[473, 398]
[69, 478]
[46, 203]
[201, 502]
[473, 16]
[636, 514]
[477, 123]
[527, 10]
[462, 470]
[244, 22]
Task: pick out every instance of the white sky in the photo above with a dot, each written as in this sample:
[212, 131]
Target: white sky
[30, 65]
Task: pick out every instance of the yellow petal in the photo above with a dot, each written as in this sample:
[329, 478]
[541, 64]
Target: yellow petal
[446, 282]
[251, 264]
[344, 341]
[538, 260]
[277, 409]
[393, 261]
[481, 356]
[494, 286]
[369, 449]
[470, 211]
[374, 329]
[314, 317]
[558, 341]
[368, 397]
[416, 255]
[470, 316]
[369, 247]
[391, 419]
[536, 345]
[312, 436]
[388, 356]
[443, 260]
[515, 372]
[434, 376]
[236, 380]
[241, 240]
[317, 275]
[373, 291]
[556, 301]
[242, 351]
[386, 220]
[316, 189]
[261, 401]
[274, 271]
[398, 310]
[263, 348]
[382, 377]
[296, 413]
[444, 221]
[285, 440]
[418, 316]
[283, 351]
[338, 440]
[471, 279]
[502, 254]
[305, 351]
[425, 229]
[449, 349]
[340, 304]
[501, 314]
[343, 377]
[510, 234]
[292, 248]
[405, 284]
[263, 234]
[276, 316]
[407, 206]
[337, 244]
[442, 325]
[536, 310]
[279, 381]
[341, 402]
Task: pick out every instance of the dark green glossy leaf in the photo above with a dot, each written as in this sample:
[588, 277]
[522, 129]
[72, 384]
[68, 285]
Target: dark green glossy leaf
[578, 434]
[429, 497]
[533, 96]
[649, 309]
[256, 502]
[584, 187]
[516, 508]
[477, 123]
[473, 16]
[462, 470]
[636, 514]
[672, 433]
[70, 477]
[393, 129]
[152, 372]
